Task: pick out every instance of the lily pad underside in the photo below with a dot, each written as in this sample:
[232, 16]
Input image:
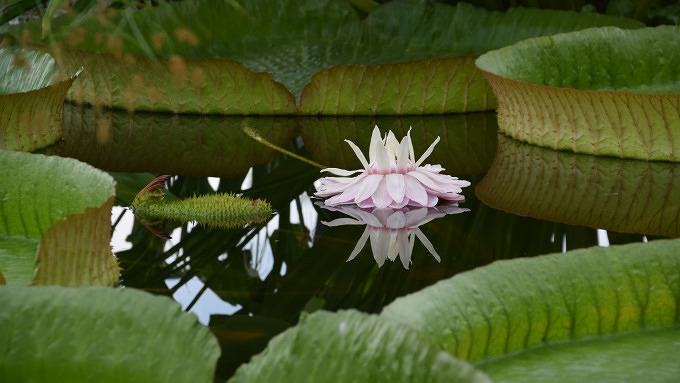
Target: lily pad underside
[209, 56]
[55, 223]
[626, 196]
[30, 102]
[602, 91]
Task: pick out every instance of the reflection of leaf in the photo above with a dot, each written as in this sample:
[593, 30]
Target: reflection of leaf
[292, 40]
[30, 105]
[59, 208]
[169, 144]
[351, 346]
[468, 141]
[622, 195]
[620, 101]
[100, 334]
[512, 305]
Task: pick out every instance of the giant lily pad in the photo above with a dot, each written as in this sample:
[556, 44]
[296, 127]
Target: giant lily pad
[55, 212]
[626, 196]
[602, 91]
[170, 144]
[100, 334]
[30, 102]
[353, 347]
[555, 301]
[406, 57]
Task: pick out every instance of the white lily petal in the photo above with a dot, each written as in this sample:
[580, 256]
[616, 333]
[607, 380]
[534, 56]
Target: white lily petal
[382, 159]
[405, 250]
[360, 244]
[378, 248]
[411, 153]
[392, 146]
[427, 152]
[376, 142]
[343, 221]
[427, 243]
[403, 155]
[342, 172]
[393, 242]
[358, 153]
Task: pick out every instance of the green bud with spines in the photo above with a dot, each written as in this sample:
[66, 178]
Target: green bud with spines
[223, 210]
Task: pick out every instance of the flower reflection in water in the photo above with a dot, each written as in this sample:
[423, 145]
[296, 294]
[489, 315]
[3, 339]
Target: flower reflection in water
[392, 231]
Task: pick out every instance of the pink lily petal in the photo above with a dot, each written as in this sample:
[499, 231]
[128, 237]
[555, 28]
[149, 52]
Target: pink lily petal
[366, 204]
[396, 221]
[345, 197]
[396, 186]
[415, 191]
[452, 197]
[381, 197]
[367, 187]
[436, 182]
[399, 205]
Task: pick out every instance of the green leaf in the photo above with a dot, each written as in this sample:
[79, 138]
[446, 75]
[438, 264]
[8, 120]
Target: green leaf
[467, 146]
[30, 104]
[188, 145]
[99, 334]
[63, 206]
[407, 56]
[602, 91]
[645, 356]
[351, 346]
[17, 258]
[584, 190]
[513, 305]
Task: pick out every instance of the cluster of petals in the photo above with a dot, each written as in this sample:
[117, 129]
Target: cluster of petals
[390, 178]
[392, 232]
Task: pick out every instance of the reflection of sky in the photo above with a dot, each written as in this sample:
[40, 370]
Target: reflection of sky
[209, 303]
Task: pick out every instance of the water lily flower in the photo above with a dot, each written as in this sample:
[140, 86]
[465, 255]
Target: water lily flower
[392, 231]
[391, 178]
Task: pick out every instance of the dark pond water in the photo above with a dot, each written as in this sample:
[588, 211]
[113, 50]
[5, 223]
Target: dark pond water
[252, 283]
